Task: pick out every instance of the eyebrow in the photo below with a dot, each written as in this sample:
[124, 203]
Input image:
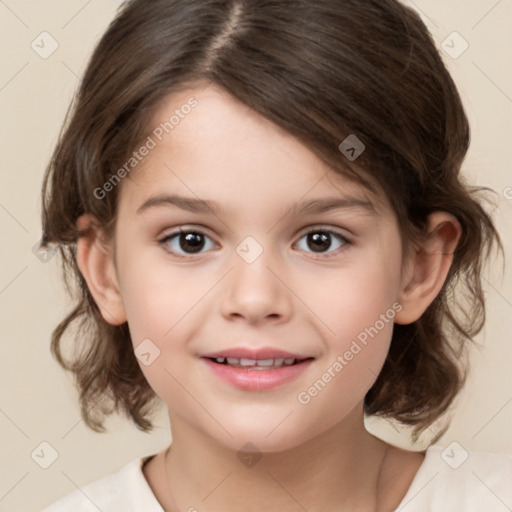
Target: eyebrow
[313, 206]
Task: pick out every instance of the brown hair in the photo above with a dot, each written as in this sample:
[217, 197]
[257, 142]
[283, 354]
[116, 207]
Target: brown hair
[321, 70]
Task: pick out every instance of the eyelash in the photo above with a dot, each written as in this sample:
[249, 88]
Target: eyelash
[163, 241]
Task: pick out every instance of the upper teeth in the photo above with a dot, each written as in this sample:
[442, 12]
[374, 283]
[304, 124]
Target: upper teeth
[235, 361]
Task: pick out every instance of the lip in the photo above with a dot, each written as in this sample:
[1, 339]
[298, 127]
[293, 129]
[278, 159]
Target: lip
[255, 353]
[251, 379]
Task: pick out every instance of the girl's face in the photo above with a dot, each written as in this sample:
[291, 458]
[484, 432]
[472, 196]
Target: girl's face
[287, 256]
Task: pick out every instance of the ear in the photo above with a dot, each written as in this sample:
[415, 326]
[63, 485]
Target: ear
[96, 262]
[428, 266]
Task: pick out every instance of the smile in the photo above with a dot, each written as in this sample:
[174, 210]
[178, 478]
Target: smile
[256, 364]
[256, 374]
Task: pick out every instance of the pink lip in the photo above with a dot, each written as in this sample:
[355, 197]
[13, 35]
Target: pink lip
[257, 380]
[253, 353]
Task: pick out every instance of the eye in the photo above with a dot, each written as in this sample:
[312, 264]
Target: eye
[190, 242]
[319, 240]
[185, 243]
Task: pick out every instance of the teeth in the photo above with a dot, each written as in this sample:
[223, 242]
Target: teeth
[247, 362]
[256, 363]
[265, 362]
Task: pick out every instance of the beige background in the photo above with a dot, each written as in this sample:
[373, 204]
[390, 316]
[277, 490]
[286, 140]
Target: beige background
[38, 403]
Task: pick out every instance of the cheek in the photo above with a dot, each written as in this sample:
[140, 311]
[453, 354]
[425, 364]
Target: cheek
[356, 307]
[155, 295]
[362, 318]
[353, 298]
[160, 324]
[162, 305]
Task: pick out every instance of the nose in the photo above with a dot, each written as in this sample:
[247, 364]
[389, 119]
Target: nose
[256, 292]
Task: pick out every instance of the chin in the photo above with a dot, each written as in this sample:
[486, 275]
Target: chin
[264, 436]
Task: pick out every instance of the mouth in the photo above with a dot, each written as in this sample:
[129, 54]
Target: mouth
[257, 364]
[257, 370]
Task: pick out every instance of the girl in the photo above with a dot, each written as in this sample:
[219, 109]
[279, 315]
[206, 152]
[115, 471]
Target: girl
[261, 203]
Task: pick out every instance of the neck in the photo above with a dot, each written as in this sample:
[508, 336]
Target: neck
[337, 470]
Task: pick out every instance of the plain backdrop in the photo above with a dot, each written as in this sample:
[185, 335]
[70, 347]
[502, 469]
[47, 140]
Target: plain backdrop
[38, 403]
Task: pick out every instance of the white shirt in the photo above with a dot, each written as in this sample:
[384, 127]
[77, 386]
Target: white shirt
[445, 482]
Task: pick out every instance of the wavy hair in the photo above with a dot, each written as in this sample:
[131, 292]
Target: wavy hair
[321, 70]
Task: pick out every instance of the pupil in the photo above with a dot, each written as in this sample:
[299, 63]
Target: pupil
[321, 240]
[191, 240]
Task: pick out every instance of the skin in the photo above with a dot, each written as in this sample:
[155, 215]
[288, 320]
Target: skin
[315, 456]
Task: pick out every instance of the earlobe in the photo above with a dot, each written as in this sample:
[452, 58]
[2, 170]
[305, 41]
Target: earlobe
[428, 267]
[97, 267]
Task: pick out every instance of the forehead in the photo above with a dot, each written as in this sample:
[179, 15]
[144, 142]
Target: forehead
[223, 149]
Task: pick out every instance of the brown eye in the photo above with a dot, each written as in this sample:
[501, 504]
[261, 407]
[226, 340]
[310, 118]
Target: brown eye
[184, 243]
[320, 241]
[192, 241]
